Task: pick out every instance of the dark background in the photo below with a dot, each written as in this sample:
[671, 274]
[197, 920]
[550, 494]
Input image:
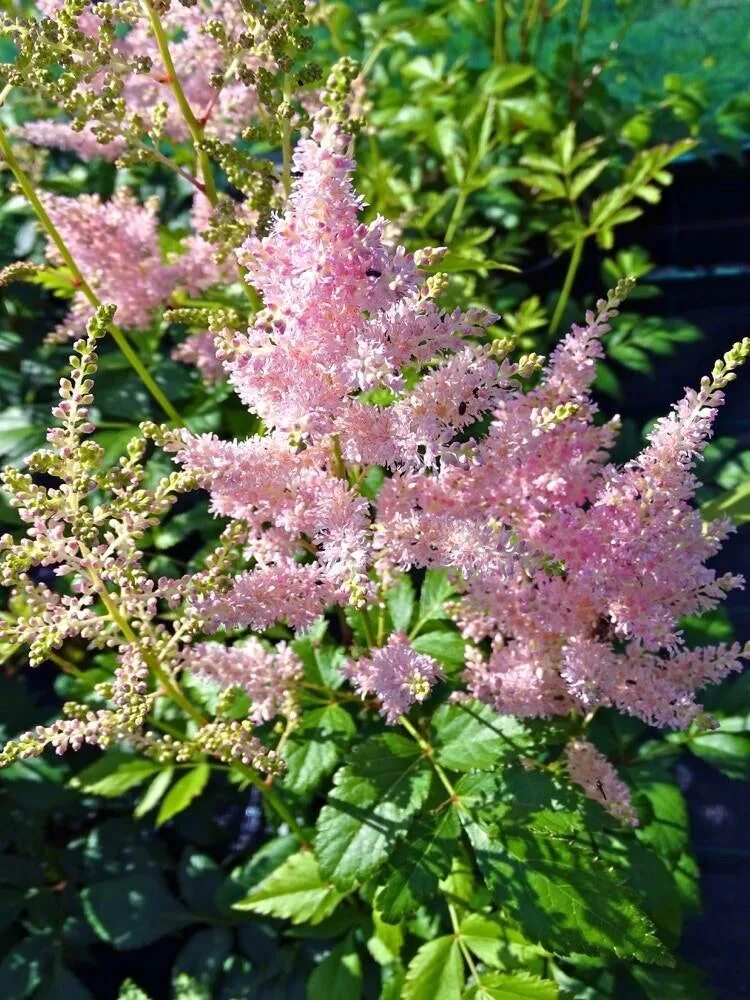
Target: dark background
[700, 237]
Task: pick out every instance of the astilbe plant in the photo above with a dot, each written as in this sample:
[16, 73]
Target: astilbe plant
[397, 446]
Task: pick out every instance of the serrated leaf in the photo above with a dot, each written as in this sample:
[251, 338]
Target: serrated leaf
[447, 647]
[586, 177]
[294, 891]
[154, 793]
[469, 735]
[338, 975]
[512, 986]
[666, 829]
[316, 747]
[374, 796]
[114, 774]
[182, 793]
[400, 602]
[418, 864]
[680, 983]
[437, 970]
[562, 896]
[436, 589]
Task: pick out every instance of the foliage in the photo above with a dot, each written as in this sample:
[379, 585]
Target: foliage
[272, 835]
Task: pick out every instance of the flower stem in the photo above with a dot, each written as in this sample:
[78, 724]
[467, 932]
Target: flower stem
[455, 924]
[24, 182]
[174, 691]
[429, 752]
[286, 142]
[194, 126]
[573, 265]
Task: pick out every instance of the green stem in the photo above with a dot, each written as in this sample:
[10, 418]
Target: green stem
[81, 283]
[499, 48]
[573, 265]
[163, 677]
[194, 126]
[367, 630]
[583, 20]
[456, 925]
[286, 142]
[372, 58]
[174, 691]
[458, 211]
[274, 800]
[429, 752]
[66, 665]
[339, 465]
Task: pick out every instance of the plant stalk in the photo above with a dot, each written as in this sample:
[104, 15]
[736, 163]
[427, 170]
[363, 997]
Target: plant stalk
[49, 227]
[194, 126]
[573, 265]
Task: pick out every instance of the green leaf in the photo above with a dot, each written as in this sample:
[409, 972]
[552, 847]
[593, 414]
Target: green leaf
[153, 794]
[512, 986]
[447, 647]
[182, 793]
[437, 970]
[294, 891]
[471, 736]
[386, 942]
[114, 774]
[484, 935]
[418, 864]
[651, 880]
[400, 602]
[454, 263]
[322, 663]
[203, 955]
[316, 746]
[23, 966]
[133, 911]
[665, 830]
[199, 878]
[386, 782]
[562, 896]
[730, 752]
[734, 503]
[338, 975]
[670, 984]
[61, 984]
[436, 589]
[586, 177]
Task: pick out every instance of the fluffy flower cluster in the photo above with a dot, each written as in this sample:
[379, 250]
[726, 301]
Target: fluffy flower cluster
[221, 103]
[594, 773]
[397, 674]
[116, 245]
[84, 525]
[267, 676]
[575, 571]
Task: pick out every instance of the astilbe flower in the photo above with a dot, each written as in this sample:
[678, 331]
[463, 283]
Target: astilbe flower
[397, 674]
[85, 523]
[575, 571]
[199, 349]
[345, 313]
[116, 246]
[591, 770]
[267, 676]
